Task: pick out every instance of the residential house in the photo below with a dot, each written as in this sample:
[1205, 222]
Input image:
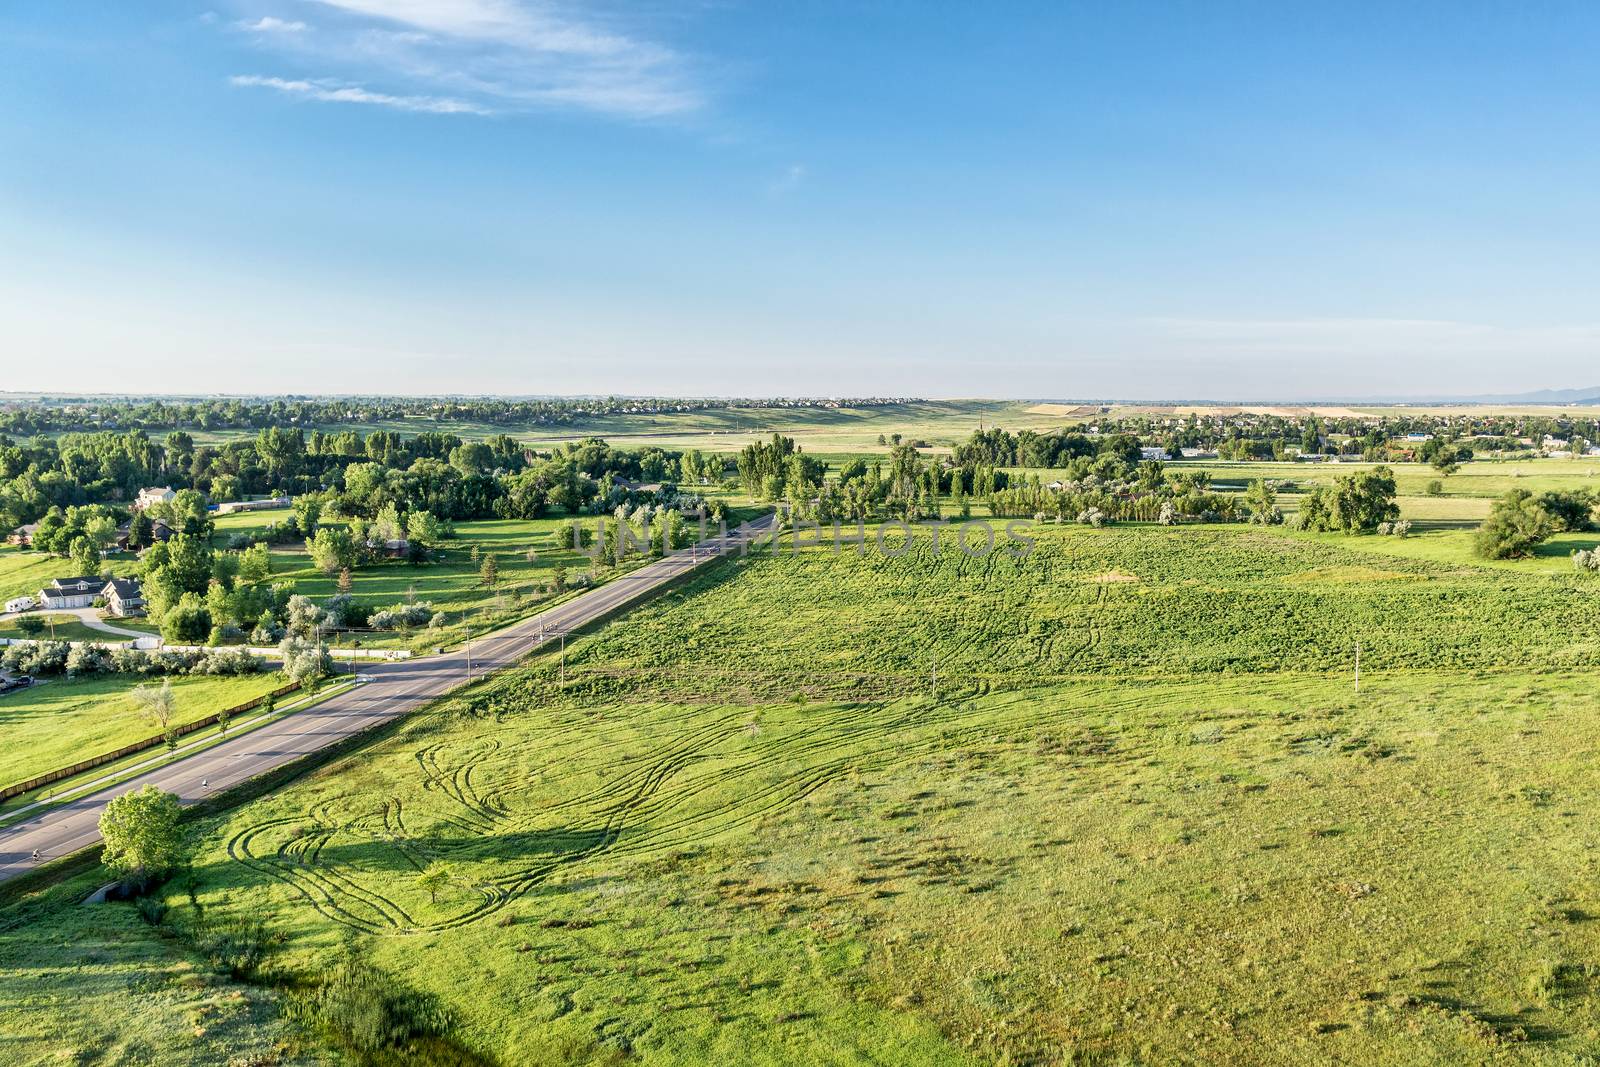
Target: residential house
[70, 593]
[159, 532]
[636, 487]
[123, 597]
[23, 535]
[154, 495]
[394, 548]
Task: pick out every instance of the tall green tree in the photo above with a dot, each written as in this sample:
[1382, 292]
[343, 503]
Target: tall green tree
[141, 835]
[1515, 526]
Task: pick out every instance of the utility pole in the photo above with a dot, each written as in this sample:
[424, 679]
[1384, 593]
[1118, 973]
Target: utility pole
[563, 659]
[1358, 666]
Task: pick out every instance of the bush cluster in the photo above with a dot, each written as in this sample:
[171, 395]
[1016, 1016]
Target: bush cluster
[58, 657]
[402, 616]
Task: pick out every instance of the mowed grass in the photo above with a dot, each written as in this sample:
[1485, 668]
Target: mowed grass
[59, 627]
[942, 423]
[1479, 479]
[60, 721]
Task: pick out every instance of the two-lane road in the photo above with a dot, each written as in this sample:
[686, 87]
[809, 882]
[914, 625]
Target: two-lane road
[393, 689]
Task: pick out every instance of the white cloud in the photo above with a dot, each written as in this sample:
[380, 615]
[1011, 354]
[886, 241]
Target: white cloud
[268, 24]
[354, 94]
[492, 55]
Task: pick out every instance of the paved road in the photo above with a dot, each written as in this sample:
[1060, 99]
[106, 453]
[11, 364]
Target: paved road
[393, 690]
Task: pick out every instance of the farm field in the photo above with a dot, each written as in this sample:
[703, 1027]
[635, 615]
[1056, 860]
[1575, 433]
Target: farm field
[941, 422]
[1478, 480]
[60, 721]
[1143, 816]
[1119, 602]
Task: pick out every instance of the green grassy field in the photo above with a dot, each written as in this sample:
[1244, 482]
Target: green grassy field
[1122, 601]
[1144, 817]
[59, 627]
[60, 721]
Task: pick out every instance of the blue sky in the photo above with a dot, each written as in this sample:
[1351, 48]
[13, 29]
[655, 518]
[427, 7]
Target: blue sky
[1043, 200]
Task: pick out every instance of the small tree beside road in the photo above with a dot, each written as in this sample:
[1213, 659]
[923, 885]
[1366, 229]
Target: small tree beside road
[141, 835]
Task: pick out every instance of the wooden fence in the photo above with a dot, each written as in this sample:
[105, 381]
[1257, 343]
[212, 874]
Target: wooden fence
[138, 746]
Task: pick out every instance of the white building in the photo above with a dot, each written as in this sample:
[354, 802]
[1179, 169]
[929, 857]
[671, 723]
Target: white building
[123, 597]
[154, 495]
[20, 603]
[71, 592]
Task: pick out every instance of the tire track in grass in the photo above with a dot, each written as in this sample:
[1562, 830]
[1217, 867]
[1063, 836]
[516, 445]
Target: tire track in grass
[664, 802]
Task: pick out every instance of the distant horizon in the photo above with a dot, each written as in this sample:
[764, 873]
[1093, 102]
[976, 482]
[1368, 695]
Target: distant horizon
[1532, 398]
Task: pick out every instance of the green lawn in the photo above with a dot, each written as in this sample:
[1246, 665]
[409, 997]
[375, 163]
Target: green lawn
[60, 627]
[60, 721]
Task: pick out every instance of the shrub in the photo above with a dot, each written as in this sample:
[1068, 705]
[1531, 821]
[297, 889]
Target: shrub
[89, 659]
[229, 661]
[365, 1011]
[236, 946]
[1515, 525]
[1569, 509]
[402, 615]
[1586, 560]
[132, 661]
[46, 657]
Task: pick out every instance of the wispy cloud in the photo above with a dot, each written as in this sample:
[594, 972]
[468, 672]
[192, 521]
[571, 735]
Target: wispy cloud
[484, 55]
[352, 94]
[269, 24]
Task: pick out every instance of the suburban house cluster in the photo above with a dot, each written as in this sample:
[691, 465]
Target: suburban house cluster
[122, 596]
